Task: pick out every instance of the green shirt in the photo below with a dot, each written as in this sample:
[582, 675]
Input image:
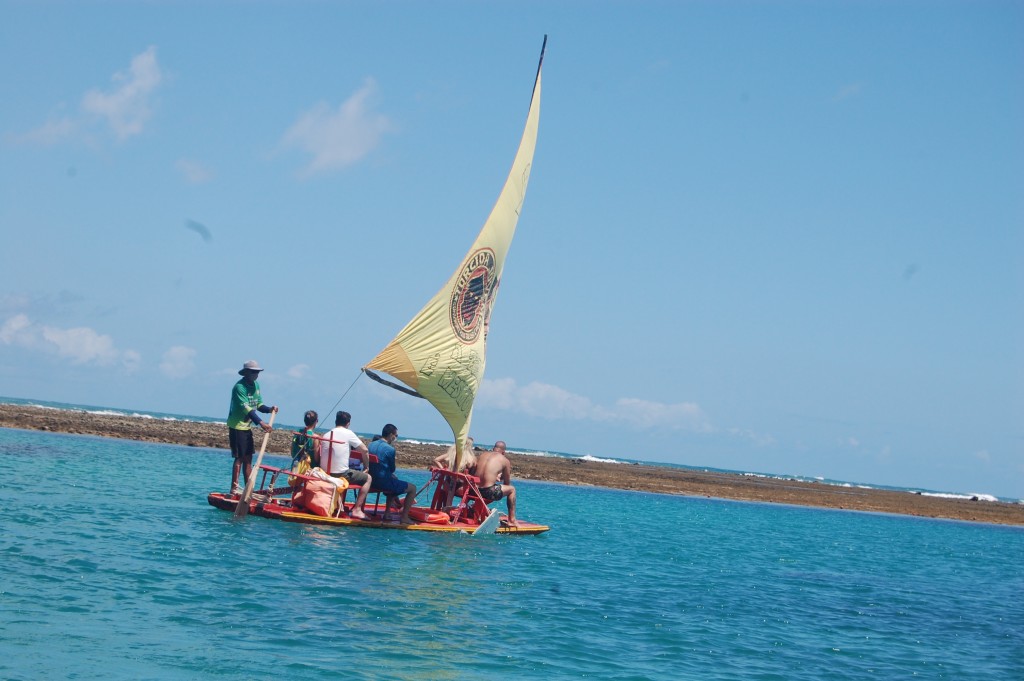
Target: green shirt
[244, 398]
[304, 444]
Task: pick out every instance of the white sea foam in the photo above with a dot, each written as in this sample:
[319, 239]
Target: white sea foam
[425, 442]
[971, 497]
[137, 415]
[588, 457]
[532, 453]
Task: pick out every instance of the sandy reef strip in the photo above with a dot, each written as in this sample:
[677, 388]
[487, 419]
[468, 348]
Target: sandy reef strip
[649, 478]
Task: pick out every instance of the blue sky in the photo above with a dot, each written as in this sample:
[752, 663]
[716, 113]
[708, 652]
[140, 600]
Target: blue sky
[778, 237]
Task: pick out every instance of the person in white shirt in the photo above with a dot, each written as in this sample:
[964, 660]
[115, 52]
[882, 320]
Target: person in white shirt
[338, 445]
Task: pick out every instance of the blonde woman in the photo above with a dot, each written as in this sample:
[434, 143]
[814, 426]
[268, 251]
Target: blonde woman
[447, 460]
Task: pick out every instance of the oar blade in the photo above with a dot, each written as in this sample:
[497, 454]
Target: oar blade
[242, 507]
[490, 525]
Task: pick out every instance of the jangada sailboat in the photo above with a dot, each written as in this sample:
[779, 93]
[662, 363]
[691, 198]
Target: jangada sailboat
[439, 356]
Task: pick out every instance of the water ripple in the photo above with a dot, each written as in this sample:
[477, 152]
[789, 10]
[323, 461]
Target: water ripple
[126, 572]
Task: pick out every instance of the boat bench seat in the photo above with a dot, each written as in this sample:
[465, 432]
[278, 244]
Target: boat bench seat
[373, 490]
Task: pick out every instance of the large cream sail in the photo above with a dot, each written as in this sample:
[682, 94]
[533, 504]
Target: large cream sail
[441, 353]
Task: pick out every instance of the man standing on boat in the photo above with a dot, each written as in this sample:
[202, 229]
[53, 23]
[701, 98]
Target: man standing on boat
[495, 473]
[246, 401]
[337, 446]
[383, 471]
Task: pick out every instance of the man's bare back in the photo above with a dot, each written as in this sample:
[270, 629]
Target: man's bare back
[495, 473]
[493, 466]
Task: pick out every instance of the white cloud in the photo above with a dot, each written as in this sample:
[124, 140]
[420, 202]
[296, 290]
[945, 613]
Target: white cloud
[49, 133]
[80, 345]
[178, 362]
[341, 137]
[552, 402]
[17, 330]
[759, 439]
[298, 371]
[678, 416]
[848, 91]
[194, 172]
[126, 108]
[983, 455]
[534, 399]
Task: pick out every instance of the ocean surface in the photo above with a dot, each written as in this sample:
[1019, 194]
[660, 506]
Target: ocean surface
[114, 566]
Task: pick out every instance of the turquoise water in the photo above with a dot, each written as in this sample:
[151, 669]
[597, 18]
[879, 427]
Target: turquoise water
[114, 566]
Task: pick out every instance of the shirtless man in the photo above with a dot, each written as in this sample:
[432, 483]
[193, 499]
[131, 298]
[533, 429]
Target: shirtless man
[495, 473]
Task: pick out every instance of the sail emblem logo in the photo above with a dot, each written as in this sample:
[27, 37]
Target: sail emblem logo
[471, 295]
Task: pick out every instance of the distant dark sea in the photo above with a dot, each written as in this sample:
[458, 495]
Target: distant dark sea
[115, 567]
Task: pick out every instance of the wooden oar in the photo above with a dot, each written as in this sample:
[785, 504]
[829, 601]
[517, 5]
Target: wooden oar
[242, 509]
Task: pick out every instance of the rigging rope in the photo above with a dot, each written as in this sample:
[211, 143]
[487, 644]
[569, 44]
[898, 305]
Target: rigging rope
[340, 398]
[396, 386]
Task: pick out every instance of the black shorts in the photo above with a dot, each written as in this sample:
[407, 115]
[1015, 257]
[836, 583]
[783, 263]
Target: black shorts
[492, 492]
[241, 444]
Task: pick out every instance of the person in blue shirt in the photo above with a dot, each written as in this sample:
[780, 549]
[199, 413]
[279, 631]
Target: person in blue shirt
[383, 471]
